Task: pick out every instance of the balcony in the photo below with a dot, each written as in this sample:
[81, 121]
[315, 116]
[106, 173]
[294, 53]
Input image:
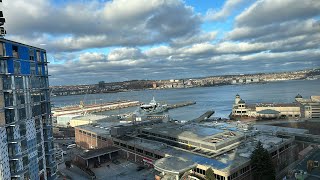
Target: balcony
[17, 174]
[14, 156]
[12, 140]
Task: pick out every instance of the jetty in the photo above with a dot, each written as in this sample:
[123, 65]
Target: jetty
[182, 104]
[92, 108]
[203, 117]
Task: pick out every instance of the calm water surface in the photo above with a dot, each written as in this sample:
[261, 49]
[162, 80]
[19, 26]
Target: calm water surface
[219, 98]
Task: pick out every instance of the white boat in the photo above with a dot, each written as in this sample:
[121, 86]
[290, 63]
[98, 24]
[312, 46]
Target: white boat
[152, 108]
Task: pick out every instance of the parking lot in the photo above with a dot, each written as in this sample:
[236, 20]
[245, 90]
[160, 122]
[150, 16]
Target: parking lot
[122, 170]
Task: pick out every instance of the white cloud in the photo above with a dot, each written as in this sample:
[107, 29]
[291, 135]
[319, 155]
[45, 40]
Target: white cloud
[90, 57]
[265, 12]
[194, 39]
[227, 9]
[125, 54]
[82, 24]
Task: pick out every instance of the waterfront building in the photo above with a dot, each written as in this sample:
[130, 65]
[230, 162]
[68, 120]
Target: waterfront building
[183, 150]
[26, 148]
[310, 108]
[242, 110]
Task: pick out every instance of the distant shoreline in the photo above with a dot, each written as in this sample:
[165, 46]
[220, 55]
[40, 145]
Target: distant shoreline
[216, 85]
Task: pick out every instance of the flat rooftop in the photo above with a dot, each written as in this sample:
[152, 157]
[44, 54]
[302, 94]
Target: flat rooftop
[174, 164]
[101, 127]
[275, 129]
[193, 131]
[225, 162]
[98, 152]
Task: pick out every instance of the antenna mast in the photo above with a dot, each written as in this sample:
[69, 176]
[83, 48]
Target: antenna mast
[2, 21]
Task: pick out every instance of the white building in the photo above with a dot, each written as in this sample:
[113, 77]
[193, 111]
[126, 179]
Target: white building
[264, 110]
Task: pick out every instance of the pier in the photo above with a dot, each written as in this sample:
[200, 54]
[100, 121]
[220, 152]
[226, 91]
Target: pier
[82, 109]
[203, 117]
[182, 104]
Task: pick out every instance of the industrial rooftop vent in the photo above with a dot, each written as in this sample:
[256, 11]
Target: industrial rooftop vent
[2, 21]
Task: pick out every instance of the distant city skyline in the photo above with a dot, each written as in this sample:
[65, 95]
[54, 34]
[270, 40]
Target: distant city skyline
[97, 40]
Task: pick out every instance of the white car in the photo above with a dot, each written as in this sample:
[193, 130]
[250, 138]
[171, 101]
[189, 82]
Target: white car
[71, 146]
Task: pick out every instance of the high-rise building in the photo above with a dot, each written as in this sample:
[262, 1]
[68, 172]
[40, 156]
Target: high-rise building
[26, 141]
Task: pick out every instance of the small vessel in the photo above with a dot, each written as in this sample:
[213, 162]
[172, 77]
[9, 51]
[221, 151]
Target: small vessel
[152, 108]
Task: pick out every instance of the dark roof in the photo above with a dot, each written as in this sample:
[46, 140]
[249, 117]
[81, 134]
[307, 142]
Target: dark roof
[268, 111]
[298, 96]
[242, 101]
[277, 105]
[238, 95]
[98, 152]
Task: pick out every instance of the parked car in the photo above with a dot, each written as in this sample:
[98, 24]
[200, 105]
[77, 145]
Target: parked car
[71, 146]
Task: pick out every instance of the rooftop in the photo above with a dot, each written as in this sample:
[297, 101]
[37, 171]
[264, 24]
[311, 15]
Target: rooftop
[101, 127]
[275, 129]
[174, 164]
[277, 105]
[186, 131]
[98, 152]
[268, 111]
[225, 162]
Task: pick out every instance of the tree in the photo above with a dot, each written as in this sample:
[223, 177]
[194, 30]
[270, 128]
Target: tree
[262, 162]
[210, 174]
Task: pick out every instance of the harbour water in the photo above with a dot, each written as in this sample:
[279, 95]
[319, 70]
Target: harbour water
[218, 98]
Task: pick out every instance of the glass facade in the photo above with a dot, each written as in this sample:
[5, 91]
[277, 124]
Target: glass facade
[25, 113]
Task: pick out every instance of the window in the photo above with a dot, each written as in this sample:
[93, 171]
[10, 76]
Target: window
[31, 54]
[2, 49]
[8, 98]
[9, 114]
[15, 52]
[32, 68]
[149, 153]
[245, 169]
[38, 56]
[139, 150]
[39, 69]
[3, 67]
[22, 113]
[80, 131]
[17, 67]
[45, 57]
[233, 176]
[157, 156]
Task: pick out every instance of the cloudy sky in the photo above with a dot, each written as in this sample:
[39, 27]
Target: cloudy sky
[92, 40]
